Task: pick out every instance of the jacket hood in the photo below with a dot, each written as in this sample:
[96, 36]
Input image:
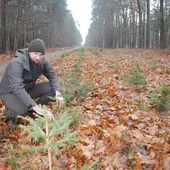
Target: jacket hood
[23, 54]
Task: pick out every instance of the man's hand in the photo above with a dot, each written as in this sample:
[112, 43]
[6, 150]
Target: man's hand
[40, 112]
[50, 115]
[59, 99]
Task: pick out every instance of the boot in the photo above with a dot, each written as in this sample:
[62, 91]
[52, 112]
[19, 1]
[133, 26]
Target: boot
[11, 121]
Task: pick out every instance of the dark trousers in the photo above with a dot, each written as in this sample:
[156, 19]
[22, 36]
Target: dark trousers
[14, 107]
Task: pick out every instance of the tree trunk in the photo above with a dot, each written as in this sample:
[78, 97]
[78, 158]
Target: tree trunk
[168, 40]
[3, 25]
[162, 27]
[140, 24]
[148, 25]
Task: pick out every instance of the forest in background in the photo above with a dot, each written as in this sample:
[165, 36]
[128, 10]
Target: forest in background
[115, 24]
[130, 23]
[21, 21]
[117, 111]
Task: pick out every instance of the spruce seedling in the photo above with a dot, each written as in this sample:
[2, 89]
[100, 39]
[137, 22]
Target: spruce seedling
[93, 166]
[77, 66]
[160, 98]
[136, 78]
[74, 86]
[52, 134]
[167, 70]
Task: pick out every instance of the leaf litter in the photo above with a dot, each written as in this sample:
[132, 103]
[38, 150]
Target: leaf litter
[115, 131]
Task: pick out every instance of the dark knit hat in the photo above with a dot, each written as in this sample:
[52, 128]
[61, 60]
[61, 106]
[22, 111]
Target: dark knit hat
[37, 45]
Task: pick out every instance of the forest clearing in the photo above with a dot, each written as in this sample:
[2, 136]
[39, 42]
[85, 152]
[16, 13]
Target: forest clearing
[120, 99]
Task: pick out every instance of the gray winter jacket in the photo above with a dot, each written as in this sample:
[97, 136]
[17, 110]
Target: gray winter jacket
[19, 77]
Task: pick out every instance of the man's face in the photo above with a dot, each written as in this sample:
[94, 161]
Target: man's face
[36, 57]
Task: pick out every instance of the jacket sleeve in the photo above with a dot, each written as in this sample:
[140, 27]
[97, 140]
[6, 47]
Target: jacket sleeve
[15, 72]
[50, 74]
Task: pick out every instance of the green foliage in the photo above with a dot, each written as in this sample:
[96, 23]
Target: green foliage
[82, 50]
[93, 166]
[96, 52]
[12, 162]
[41, 129]
[115, 66]
[64, 55]
[136, 78]
[50, 136]
[160, 98]
[144, 106]
[131, 163]
[73, 84]
[12, 159]
[128, 151]
[77, 66]
[154, 65]
[167, 70]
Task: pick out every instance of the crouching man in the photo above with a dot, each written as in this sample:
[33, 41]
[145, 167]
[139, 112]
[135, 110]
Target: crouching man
[18, 87]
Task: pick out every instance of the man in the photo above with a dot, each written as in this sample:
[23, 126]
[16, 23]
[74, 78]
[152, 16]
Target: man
[18, 87]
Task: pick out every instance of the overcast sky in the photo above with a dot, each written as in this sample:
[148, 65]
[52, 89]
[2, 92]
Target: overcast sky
[81, 11]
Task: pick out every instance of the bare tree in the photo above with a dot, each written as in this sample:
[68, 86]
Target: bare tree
[3, 25]
[140, 24]
[162, 27]
[23, 20]
[148, 25]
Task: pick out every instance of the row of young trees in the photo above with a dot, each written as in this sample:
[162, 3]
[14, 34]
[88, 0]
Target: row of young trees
[130, 23]
[23, 20]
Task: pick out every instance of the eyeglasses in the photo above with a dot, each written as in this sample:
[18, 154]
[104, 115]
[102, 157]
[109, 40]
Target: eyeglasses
[37, 54]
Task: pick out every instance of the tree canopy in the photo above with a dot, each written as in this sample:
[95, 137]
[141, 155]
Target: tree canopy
[21, 21]
[130, 23]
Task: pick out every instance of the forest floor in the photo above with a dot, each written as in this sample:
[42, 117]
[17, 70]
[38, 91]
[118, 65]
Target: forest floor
[119, 128]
